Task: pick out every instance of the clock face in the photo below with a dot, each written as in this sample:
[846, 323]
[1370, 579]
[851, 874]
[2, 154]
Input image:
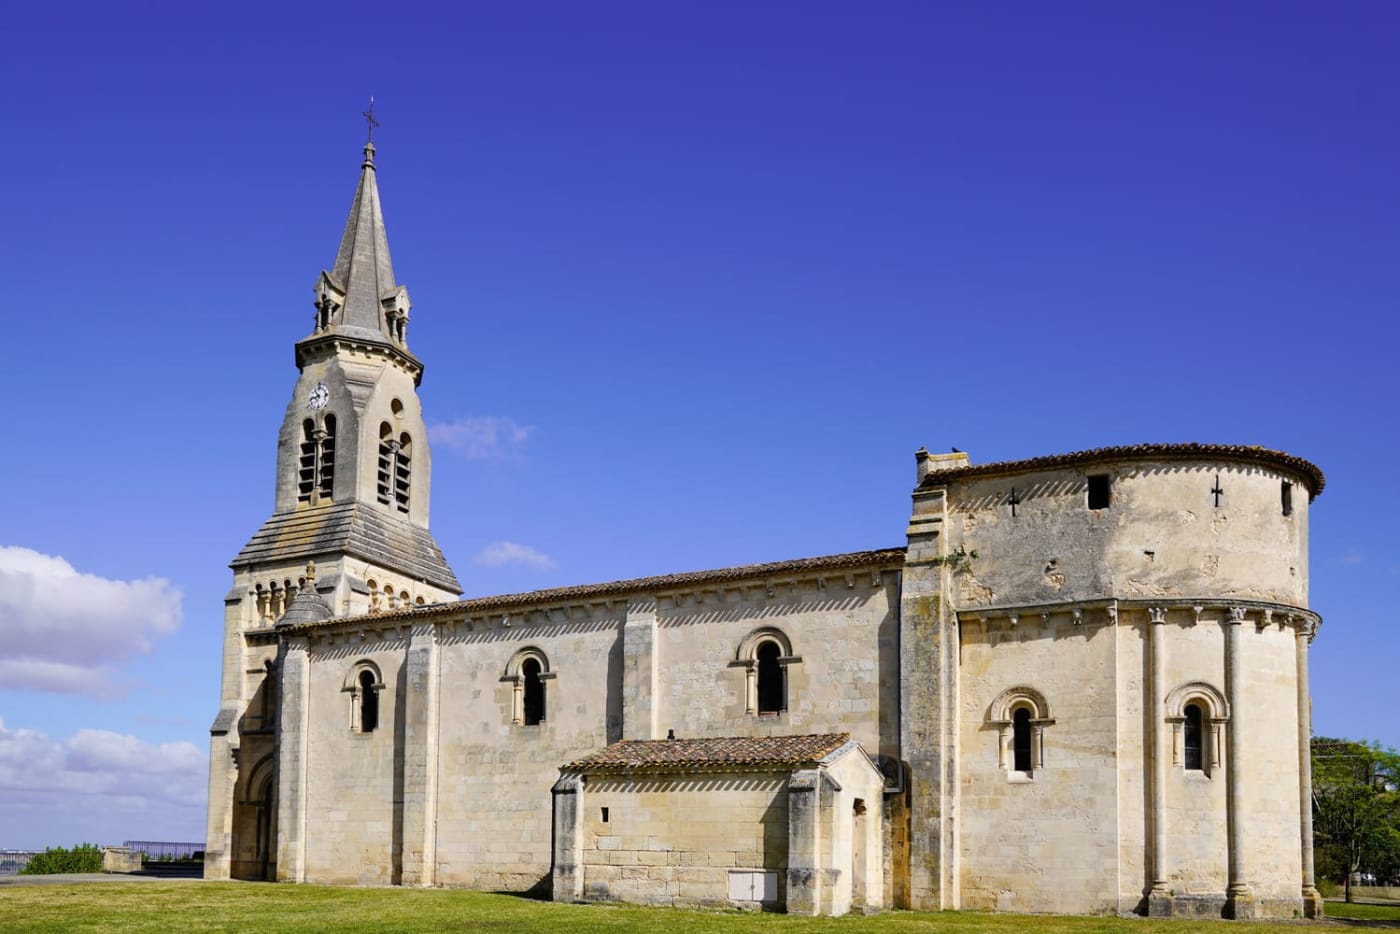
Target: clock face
[319, 396]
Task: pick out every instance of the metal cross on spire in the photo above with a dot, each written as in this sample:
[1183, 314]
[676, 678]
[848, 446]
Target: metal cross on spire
[369, 118]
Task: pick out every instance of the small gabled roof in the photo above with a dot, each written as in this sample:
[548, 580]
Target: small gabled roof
[736, 752]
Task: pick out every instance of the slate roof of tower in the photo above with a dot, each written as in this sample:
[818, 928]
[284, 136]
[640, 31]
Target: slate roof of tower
[1246, 453]
[362, 266]
[724, 752]
[356, 528]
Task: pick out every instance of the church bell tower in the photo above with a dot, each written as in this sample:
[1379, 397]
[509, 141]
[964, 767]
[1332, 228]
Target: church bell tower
[353, 468]
[349, 529]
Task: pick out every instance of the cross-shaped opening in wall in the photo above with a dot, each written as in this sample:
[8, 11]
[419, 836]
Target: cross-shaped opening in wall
[1216, 491]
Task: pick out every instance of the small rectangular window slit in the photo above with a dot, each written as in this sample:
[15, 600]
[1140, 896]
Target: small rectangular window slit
[605, 815]
[1099, 492]
[1287, 493]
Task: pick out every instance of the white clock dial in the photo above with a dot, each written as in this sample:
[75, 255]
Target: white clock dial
[319, 396]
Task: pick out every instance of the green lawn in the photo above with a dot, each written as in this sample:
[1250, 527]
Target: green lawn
[233, 906]
[1364, 912]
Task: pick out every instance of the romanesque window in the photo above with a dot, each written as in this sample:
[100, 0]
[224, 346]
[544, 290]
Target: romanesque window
[316, 464]
[1020, 715]
[1191, 738]
[527, 673]
[395, 463]
[364, 686]
[532, 692]
[1021, 739]
[766, 657]
[369, 703]
[1197, 713]
[772, 698]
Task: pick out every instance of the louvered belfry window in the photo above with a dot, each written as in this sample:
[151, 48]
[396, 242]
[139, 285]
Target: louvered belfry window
[316, 461]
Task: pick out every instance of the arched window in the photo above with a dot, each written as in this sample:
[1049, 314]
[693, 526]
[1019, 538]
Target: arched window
[770, 679]
[395, 468]
[401, 472]
[369, 703]
[1021, 739]
[1198, 714]
[766, 657]
[1020, 715]
[533, 700]
[384, 478]
[306, 464]
[325, 465]
[527, 674]
[364, 686]
[316, 461]
[1191, 737]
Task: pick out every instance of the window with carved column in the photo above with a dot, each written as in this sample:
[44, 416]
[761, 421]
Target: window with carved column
[766, 657]
[528, 673]
[1020, 716]
[1197, 713]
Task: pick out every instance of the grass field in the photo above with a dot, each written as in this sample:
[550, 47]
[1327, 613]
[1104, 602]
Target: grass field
[1361, 911]
[233, 906]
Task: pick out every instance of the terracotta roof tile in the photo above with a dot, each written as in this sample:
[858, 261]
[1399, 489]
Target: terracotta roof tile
[1226, 452]
[725, 752]
[889, 558]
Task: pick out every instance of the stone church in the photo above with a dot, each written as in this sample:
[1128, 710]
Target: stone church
[1075, 683]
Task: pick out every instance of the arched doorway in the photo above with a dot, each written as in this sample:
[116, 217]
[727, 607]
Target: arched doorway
[255, 825]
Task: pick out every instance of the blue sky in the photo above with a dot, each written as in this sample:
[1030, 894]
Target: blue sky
[691, 281]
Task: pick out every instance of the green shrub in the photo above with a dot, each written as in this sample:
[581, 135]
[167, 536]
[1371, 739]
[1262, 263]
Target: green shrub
[85, 857]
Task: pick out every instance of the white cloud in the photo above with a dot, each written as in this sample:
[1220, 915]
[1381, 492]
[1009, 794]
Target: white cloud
[497, 554]
[64, 631]
[483, 438]
[98, 785]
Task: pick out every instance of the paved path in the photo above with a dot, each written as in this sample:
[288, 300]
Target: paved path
[69, 878]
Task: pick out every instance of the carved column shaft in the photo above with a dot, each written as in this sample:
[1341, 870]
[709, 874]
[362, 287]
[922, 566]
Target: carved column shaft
[1312, 901]
[1234, 761]
[1161, 754]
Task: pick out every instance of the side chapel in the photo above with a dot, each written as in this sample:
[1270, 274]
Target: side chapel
[1079, 683]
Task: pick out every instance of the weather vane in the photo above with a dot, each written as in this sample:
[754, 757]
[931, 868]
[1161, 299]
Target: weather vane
[369, 118]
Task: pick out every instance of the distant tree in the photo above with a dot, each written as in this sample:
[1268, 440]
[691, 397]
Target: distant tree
[1356, 807]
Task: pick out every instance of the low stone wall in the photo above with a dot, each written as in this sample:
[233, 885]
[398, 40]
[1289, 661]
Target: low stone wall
[1389, 892]
[121, 859]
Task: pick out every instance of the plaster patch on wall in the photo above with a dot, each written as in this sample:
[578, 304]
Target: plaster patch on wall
[1210, 565]
[1138, 587]
[973, 591]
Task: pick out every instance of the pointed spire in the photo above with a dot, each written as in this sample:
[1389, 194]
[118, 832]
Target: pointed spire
[363, 271]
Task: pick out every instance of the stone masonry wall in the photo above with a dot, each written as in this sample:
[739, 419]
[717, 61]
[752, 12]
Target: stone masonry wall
[1161, 535]
[847, 681]
[352, 821]
[494, 810]
[675, 841]
[1045, 841]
